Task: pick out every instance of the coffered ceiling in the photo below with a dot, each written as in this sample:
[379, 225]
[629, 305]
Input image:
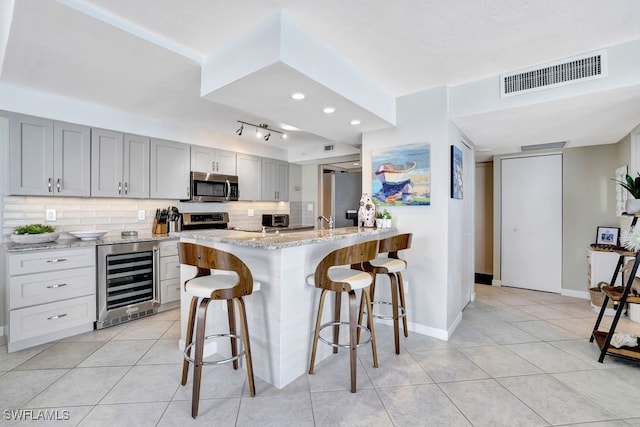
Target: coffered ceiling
[156, 58]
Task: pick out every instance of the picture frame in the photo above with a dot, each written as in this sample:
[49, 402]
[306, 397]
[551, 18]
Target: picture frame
[621, 193]
[401, 176]
[457, 189]
[608, 236]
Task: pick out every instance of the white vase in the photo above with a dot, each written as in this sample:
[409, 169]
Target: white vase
[632, 206]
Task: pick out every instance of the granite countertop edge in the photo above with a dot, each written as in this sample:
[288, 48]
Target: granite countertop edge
[77, 243]
[271, 241]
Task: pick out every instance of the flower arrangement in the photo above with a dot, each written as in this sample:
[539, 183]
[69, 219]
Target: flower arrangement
[631, 239]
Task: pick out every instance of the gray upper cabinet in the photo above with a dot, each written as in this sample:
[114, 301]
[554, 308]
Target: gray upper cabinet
[119, 164]
[275, 180]
[48, 157]
[170, 167]
[249, 176]
[207, 159]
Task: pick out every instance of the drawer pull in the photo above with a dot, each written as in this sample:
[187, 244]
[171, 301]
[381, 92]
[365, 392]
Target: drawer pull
[57, 285]
[57, 316]
[57, 260]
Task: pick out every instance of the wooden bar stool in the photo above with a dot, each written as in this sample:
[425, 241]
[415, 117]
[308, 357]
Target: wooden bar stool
[332, 275]
[392, 266]
[205, 287]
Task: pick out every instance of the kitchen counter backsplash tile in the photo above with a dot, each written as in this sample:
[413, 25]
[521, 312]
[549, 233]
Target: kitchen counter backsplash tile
[116, 215]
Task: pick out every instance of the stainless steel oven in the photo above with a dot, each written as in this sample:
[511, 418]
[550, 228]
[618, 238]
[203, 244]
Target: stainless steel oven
[128, 285]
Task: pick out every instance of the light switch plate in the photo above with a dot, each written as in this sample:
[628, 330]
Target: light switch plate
[50, 215]
[141, 215]
[249, 212]
[310, 207]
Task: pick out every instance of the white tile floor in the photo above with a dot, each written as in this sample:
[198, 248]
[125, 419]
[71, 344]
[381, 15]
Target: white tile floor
[518, 358]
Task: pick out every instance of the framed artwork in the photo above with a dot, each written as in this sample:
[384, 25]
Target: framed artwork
[621, 193]
[402, 176]
[456, 173]
[608, 236]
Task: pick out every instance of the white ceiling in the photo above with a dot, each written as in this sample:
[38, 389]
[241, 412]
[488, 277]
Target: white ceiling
[145, 57]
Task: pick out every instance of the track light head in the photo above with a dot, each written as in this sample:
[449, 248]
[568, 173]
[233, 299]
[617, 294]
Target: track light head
[240, 129]
[267, 136]
[260, 130]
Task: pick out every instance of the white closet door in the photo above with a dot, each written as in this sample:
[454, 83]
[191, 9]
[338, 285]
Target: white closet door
[531, 248]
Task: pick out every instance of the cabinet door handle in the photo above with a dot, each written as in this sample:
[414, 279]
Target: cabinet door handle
[217, 167]
[213, 166]
[56, 260]
[126, 188]
[57, 285]
[120, 188]
[58, 185]
[57, 316]
[49, 185]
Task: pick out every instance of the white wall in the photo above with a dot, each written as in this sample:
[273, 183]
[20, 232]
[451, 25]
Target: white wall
[422, 118]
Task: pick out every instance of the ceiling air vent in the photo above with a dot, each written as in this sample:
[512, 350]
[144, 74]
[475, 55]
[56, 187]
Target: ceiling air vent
[328, 147]
[560, 73]
[533, 147]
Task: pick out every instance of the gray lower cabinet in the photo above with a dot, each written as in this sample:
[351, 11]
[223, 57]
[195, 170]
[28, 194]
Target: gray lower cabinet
[169, 275]
[49, 295]
[119, 164]
[207, 159]
[48, 158]
[170, 167]
[249, 176]
[275, 180]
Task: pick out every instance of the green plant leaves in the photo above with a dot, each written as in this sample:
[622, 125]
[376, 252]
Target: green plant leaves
[34, 229]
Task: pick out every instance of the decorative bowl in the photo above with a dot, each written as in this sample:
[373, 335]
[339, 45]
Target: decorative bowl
[34, 238]
[88, 235]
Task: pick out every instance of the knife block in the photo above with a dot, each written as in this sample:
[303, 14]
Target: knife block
[158, 228]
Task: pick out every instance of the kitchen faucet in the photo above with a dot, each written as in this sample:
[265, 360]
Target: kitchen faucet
[328, 220]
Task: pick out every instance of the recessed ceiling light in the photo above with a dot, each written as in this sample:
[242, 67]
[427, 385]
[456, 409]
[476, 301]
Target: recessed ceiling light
[289, 128]
[355, 122]
[297, 96]
[284, 136]
[328, 110]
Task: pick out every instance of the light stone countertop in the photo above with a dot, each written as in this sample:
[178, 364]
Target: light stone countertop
[77, 243]
[284, 240]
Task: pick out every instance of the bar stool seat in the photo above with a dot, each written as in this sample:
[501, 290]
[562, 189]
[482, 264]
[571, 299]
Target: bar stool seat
[231, 281]
[392, 266]
[331, 275]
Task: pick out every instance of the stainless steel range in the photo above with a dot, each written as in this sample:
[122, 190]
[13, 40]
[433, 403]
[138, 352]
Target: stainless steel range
[204, 220]
[127, 282]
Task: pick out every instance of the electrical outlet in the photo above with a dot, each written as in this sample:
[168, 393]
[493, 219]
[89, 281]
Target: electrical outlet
[310, 207]
[249, 212]
[50, 215]
[141, 215]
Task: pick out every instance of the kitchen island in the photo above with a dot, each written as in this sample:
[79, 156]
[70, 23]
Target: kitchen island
[281, 314]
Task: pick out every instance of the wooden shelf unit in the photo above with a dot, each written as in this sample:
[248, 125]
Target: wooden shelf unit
[620, 294]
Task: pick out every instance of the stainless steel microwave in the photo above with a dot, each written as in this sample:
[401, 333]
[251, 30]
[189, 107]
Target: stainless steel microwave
[275, 220]
[211, 187]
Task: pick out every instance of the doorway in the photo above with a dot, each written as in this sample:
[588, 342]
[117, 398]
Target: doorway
[531, 229]
[340, 190]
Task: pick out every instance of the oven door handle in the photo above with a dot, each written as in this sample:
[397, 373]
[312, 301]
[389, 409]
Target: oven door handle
[228, 190]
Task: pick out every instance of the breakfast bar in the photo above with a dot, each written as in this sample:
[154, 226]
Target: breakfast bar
[281, 313]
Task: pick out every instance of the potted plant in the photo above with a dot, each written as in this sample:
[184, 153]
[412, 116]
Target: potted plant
[34, 233]
[379, 219]
[633, 187]
[387, 219]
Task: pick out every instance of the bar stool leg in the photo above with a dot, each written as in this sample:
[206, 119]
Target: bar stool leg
[336, 318]
[403, 304]
[372, 288]
[232, 330]
[394, 307]
[353, 355]
[245, 341]
[189, 338]
[316, 334]
[199, 350]
[372, 326]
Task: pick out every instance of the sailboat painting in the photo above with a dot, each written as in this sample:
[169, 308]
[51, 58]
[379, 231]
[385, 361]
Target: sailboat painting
[402, 176]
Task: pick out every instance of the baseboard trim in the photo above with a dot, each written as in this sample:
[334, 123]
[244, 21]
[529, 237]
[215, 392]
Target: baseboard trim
[575, 294]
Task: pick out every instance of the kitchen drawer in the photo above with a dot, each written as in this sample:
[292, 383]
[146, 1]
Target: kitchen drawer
[169, 268]
[47, 261]
[39, 288]
[44, 319]
[169, 248]
[169, 290]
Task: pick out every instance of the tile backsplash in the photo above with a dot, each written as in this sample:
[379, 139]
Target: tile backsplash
[115, 215]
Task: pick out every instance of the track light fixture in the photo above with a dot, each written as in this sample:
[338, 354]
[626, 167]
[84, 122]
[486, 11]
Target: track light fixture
[259, 130]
